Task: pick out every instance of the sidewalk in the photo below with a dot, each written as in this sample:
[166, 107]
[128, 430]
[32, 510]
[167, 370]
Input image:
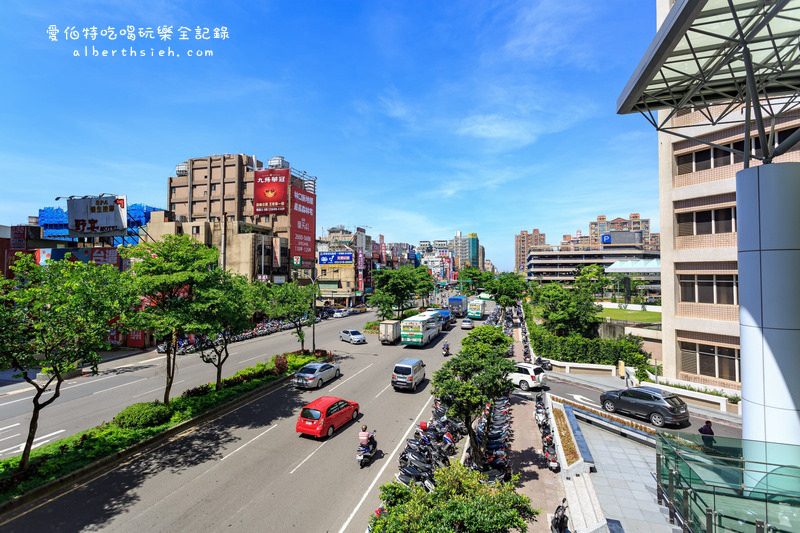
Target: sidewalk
[544, 487]
[625, 489]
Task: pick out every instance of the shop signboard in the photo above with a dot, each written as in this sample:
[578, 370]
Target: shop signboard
[97, 216]
[19, 239]
[335, 258]
[302, 238]
[99, 255]
[136, 338]
[269, 191]
[361, 281]
[361, 259]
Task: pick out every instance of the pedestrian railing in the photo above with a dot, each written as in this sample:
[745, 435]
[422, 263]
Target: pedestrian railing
[732, 485]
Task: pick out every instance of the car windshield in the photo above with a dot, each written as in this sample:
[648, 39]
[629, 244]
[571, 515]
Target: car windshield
[311, 414]
[354, 332]
[402, 370]
[537, 370]
[307, 370]
[674, 401]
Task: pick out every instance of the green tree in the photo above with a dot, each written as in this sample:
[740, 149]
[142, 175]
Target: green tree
[55, 317]
[293, 302]
[567, 311]
[423, 282]
[168, 276]
[475, 376]
[225, 308]
[459, 502]
[395, 286]
[474, 278]
[594, 279]
[384, 302]
[507, 289]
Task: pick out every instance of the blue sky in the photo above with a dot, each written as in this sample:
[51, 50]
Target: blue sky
[419, 118]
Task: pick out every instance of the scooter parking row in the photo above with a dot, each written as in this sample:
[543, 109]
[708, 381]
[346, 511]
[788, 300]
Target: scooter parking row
[433, 443]
[542, 416]
[494, 434]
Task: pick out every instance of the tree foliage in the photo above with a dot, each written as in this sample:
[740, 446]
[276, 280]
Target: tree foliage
[293, 302]
[593, 278]
[473, 278]
[567, 311]
[169, 275]
[395, 289]
[507, 289]
[476, 375]
[56, 316]
[223, 309]
[460, 502]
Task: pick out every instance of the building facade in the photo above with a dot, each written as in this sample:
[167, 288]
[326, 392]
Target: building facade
[634, 223]
[212, 199]
[561, 266]
[700, 297]
[523, 242]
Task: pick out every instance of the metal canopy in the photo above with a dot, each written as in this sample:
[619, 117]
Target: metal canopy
[717, 57]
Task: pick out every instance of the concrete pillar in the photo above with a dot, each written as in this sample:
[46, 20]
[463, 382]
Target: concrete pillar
[768, 210]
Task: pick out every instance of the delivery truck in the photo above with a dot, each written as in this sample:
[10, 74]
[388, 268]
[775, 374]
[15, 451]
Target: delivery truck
[458, 306]
[389, 331]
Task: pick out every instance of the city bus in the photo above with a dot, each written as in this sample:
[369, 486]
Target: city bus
[475, 309]
[420, 329]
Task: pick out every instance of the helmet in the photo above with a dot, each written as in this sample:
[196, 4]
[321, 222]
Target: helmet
[364, 427]
[423, 426]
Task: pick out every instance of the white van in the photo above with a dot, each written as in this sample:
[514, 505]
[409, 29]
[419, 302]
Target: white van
[408, 374]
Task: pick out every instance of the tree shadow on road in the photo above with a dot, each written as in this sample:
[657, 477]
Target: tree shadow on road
[112, 495]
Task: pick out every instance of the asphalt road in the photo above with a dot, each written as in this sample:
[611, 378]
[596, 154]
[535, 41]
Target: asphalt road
[90, 400]
[249, 470]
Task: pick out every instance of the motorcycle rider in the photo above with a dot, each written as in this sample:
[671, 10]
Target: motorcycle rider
[367, 438]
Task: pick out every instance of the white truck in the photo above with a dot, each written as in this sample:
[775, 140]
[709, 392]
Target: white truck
[389, 331]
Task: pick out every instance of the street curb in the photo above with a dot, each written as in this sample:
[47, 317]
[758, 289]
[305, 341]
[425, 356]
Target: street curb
[34, 496]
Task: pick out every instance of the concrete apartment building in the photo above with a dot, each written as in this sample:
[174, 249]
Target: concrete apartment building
[523, 242]
[699, 277]
[211, 198]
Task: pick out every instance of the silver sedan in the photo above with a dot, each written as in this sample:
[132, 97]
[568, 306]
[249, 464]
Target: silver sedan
[313, 375]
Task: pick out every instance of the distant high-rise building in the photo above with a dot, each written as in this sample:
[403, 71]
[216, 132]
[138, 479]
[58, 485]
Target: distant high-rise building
[523, 242]
[635, 223]
[474, 250]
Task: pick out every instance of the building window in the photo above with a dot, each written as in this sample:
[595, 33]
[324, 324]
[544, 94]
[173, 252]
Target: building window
[721, 157]
[720, 289]
[213, 187]
[702, 159]
[685, 224]
[738, 157]
[324, 272]
[173, 191]
[195, 230]
[784, 134]
[172, 207]
[685, 163]
[709, 360]
[702, 223]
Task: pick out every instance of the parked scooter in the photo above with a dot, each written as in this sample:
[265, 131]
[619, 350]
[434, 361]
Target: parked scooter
[366, 453]
[544, 363]
[550, 457]
[560, 520]
[411, 476]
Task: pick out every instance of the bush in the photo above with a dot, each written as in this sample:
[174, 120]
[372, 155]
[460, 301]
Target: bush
[411, 312]
[281, 364]
[578, 349]
[143, 415]
[371, 327]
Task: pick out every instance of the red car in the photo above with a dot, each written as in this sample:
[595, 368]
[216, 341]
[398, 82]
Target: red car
[325, 415]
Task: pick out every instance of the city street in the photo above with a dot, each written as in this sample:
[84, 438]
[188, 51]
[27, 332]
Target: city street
[90, 400]
[246, 468]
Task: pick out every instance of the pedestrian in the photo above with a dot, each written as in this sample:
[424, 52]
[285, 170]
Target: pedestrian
[708, 434]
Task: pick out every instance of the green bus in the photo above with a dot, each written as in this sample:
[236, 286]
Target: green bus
[475, 309]
[420, 329]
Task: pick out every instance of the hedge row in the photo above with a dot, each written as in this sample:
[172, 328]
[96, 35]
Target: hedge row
[134, 424]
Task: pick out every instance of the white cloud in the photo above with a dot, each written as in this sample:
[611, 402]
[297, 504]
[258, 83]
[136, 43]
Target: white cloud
[497, 127]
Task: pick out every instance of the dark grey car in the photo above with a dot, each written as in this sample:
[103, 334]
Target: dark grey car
[658, 406]
[313, 375]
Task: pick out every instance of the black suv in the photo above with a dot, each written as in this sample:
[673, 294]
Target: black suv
[659, 406]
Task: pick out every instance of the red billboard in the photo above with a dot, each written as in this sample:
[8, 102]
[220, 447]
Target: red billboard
[303, 219]
[269, 191]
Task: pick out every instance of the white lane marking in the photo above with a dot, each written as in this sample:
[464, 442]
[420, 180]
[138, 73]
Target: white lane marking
[382, 470]
[583, 399]
[18, 391]
[351, 377]
[156, 390]
[262, 356]
[17, 400]
[251, 440]
[307, 458]
[381, 392]
[118, 386]
[19, 447]
[140, 362]
[9, 427]
[10, 437]
[62, 389]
